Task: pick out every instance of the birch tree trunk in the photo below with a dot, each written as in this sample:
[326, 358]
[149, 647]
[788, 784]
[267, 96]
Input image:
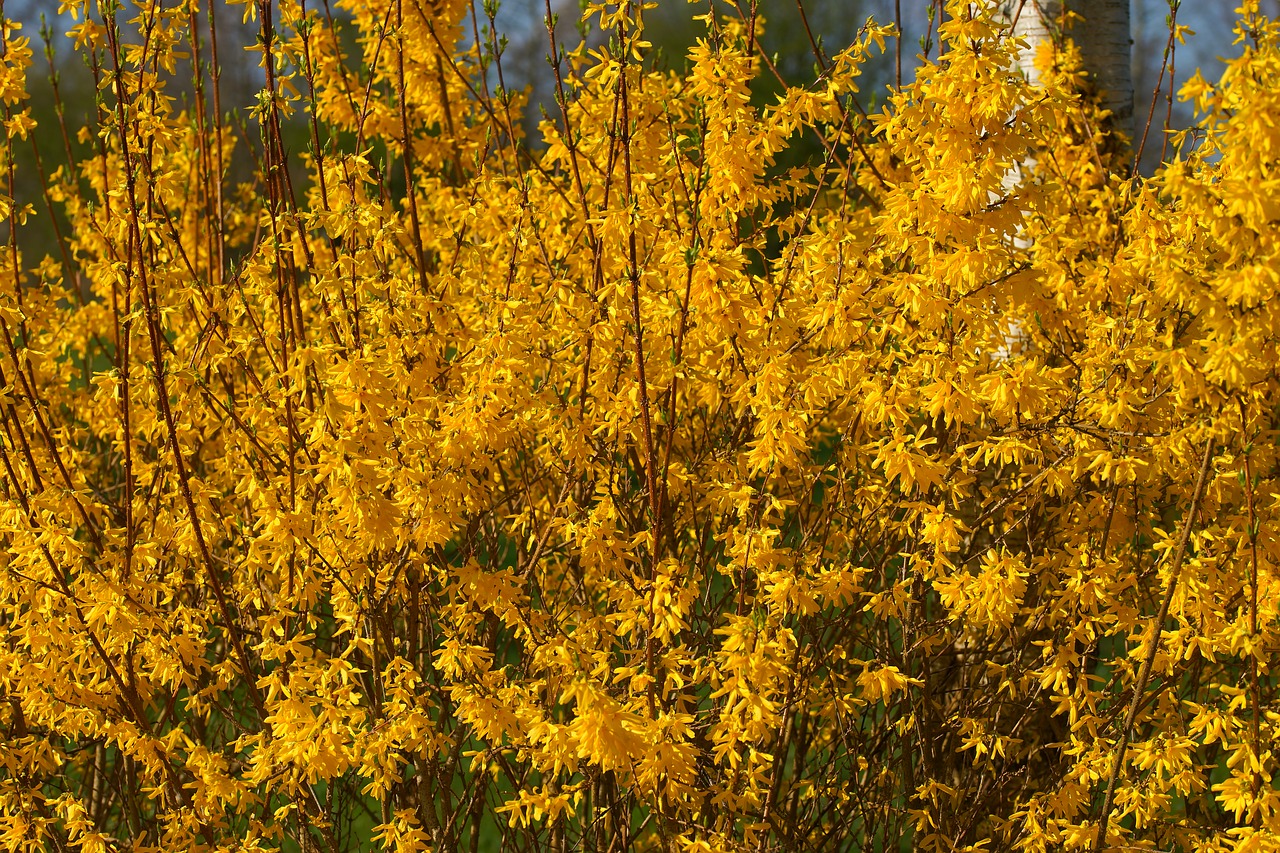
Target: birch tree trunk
[1101, 33]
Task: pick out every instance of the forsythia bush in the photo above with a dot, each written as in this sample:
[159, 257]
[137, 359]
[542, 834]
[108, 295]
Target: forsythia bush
[651, 486]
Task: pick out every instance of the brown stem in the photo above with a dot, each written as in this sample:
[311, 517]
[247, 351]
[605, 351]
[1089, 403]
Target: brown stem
[1255, 700]
[1153, 646]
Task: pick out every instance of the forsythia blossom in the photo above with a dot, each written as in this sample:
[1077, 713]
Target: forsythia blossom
[670, 484]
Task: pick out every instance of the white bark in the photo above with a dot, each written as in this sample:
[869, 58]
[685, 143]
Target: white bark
[1103, 36]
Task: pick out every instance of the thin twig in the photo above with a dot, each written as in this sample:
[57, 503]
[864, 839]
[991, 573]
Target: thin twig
[1153, 646]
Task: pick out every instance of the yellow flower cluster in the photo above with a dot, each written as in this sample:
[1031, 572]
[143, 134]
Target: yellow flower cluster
[661, 486]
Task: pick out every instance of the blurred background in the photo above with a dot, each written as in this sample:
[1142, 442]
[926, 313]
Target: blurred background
[61, 79]
[833, 24]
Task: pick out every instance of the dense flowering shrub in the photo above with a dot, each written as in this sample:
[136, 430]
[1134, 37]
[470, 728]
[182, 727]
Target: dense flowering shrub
[652, 487]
